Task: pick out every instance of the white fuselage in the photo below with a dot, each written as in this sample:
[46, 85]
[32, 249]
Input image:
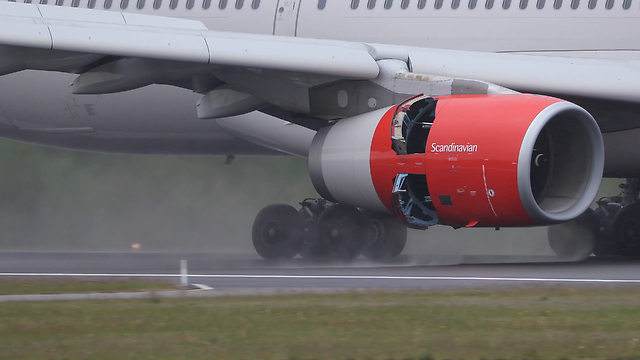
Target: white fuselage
[38, 107]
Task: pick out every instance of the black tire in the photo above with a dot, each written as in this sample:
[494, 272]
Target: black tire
[341, 233]
[277, 232]
[627, 231]
[575, 239]
[388, 238]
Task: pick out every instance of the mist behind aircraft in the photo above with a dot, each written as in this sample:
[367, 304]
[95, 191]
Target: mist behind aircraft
[64, 200]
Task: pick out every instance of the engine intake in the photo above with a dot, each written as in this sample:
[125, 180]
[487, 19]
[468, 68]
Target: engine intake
[489, 160]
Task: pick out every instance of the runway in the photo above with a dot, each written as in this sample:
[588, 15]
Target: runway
[234, 271]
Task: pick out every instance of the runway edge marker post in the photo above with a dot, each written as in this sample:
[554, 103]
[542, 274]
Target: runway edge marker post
[184, 277]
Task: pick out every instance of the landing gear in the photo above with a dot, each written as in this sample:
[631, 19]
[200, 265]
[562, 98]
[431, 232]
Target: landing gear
[341, 233]
[620, 222]
[277, 232]
[326, 231]
[618, 219]
[387, 239]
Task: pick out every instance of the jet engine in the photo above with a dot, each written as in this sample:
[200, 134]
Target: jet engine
[475, 160]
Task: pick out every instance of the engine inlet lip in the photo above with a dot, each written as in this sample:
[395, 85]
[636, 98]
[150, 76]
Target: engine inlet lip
[524, 163]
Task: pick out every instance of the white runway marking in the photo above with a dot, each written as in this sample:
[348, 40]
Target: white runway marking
[341, 277]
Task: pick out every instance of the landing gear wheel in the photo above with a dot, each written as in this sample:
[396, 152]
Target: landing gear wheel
[277, 232]
[627, 231]
[575, 239]
[388, 238]
[341, 233]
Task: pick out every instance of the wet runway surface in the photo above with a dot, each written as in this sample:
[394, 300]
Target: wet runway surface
[227, 271]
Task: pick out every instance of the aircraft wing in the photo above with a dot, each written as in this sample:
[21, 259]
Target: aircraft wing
[145, 36]
[114, 51]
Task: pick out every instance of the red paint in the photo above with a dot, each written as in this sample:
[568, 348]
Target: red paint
[496, 124]
[385, 163]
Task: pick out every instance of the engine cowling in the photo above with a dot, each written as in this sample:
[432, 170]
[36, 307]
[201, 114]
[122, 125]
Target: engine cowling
[488, 160]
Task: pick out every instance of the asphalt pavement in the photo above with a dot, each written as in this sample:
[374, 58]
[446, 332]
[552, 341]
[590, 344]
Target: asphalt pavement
[248, 271]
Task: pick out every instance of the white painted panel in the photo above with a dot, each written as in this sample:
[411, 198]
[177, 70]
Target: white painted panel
[79, 14]
[248, 20]
[23, 32]
[16, 9]
[131, 41]
[479, 29]
[164, 22]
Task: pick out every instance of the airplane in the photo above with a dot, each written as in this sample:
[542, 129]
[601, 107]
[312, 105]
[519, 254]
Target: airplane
[411, 113]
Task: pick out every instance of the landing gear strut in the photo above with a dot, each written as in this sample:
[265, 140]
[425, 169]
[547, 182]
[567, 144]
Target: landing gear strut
[322, 229]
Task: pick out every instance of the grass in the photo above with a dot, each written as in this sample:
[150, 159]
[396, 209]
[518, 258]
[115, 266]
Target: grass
[23, 286]
[529, 324]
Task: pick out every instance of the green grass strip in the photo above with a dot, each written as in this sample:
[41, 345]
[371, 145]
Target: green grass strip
[530, 324]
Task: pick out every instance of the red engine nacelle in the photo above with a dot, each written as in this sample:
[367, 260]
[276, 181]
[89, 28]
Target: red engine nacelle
[494, 160]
